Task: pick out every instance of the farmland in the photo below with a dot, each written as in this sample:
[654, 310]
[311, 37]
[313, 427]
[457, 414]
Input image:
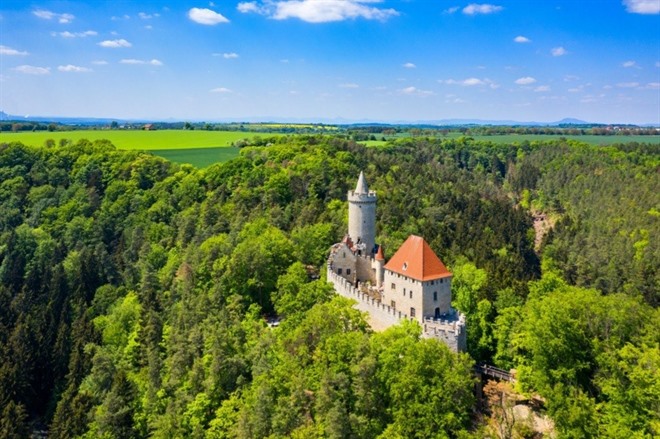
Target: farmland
[136, 140]
[519, 138]
[198, 157]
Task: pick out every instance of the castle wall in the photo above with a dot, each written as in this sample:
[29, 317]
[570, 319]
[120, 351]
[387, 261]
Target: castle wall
[381, 315]
[344, 263]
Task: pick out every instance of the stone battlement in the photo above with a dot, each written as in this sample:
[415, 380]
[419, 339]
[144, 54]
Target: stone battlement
[357, 196]
[450, 329]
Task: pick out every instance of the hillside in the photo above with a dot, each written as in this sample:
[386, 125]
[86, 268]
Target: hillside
[135, 293]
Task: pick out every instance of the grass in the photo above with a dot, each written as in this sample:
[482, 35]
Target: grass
[519, 138]
[198, 157]
[137, 140]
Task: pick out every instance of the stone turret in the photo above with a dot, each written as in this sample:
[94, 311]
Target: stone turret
[379, 265]
[362, 216]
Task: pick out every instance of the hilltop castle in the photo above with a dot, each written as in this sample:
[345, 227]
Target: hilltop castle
[414, 284]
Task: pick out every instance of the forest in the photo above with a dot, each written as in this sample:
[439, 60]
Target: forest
[135, 292]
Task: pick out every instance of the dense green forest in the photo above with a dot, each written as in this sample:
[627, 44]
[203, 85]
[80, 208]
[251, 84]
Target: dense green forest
[134, 292]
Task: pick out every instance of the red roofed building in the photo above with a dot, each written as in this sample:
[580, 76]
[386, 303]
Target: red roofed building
[417, 281]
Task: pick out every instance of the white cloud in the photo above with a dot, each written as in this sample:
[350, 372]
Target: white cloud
[349, 85]
[73, 69]
[153, 62]
[67, 34]
[319, 11]
[628, 84]
[474, 9]
[521, 39]
[642, 6]
[206, 16]
[470, 82]
[49, 15]
[114, 44]
[558, 51]
[525, 80]
[100, 63]
[230, 55]
[629, 64]
[414, 91]
[32, 70]
[145, 16]
[246, 7]
[220, 90]
[4, 50]
[452, 9]
[542, 88]
[653, 85]
[409, 65]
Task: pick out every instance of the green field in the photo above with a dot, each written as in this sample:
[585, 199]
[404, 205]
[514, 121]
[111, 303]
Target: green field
[519, 138]
[198, 157]
[141, 140]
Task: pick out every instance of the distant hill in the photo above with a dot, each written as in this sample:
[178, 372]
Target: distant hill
[297, 120]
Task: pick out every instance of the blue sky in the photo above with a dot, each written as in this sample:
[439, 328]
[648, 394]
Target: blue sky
[403, 60]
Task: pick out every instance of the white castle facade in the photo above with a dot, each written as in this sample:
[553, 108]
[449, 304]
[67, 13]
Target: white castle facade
[413, 285]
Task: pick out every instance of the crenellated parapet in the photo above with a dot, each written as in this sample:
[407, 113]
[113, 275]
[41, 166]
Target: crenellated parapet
[450, 329]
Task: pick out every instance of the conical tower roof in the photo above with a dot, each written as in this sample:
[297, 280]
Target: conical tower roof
[362, 187]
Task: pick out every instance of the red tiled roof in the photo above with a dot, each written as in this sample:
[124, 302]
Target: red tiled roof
[416, 259]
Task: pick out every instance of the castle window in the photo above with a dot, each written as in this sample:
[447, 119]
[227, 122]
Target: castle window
[394, 286]
[343, 255]
[435, 296]
[393, 304]
[411, 294]
[339, 271]
[348, 271]
[431, 282]
[412, 312]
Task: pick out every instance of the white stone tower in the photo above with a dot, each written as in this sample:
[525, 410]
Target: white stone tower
[362, 216]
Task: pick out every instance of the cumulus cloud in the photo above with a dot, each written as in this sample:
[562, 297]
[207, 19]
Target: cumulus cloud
[414, 91]
[558, 51]
[349, 85]
[525, 80]
[32, 70]
[521, 39]
[49, 15]
[153, 62]
[628, 84]
[100, 62]
[642, 6]
[220, 90]
[542, 88]
[228, 55]
[145, 16]
[452, 9]
[470, 82]
[629, 64]
[653, 85]
[247, 7]
[67, 34]
[485, 8]
[409, 65]
[319, 11]
[73, 69]
[4, 50]
[206, 16]
[114, 44]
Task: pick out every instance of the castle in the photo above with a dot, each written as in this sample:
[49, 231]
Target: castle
[413, 285]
